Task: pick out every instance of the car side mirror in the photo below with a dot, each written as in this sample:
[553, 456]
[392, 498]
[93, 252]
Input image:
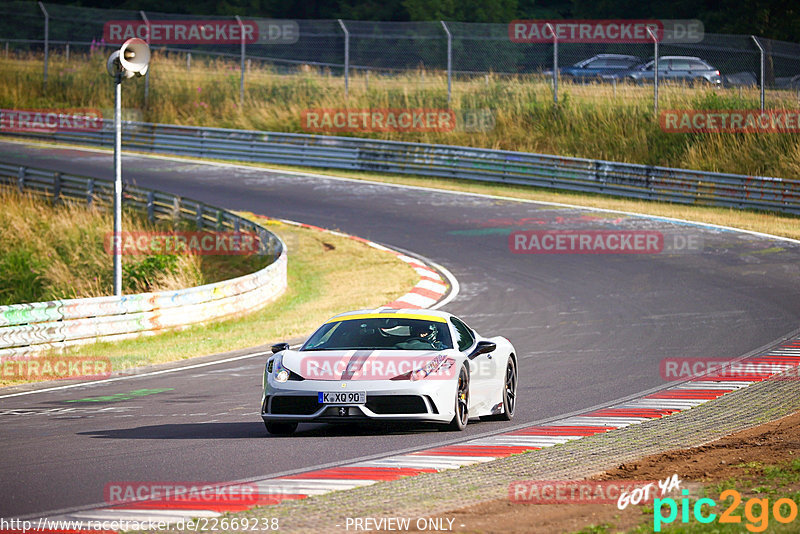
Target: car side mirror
[482, 347]
[277, 347]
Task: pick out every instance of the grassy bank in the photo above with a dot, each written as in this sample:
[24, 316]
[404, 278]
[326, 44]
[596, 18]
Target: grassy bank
[56, 252]
[596, 121]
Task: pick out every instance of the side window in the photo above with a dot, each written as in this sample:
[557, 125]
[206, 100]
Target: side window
[465, 337]
[596, 64]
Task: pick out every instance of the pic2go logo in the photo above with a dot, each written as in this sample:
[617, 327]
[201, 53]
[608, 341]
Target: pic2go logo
[783, 510]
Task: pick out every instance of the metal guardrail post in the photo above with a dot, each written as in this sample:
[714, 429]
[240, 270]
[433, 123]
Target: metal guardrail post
[198, 220]
[655, 70]
[449, 60]
[242, 67]
[146, 74]
[555, 62]
[56, 187]
[151, 198]
[761, 70]
[346, 57]
[67, 52]
[21, 179]
[176, 208]
[90, 192]
[188, 62]
[46, 40]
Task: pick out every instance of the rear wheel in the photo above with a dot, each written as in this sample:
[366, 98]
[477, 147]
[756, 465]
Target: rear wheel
[509, 394]
[279, 428]
[461, 417]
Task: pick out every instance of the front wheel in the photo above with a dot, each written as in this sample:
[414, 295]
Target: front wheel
[279, 428]
[461, 417]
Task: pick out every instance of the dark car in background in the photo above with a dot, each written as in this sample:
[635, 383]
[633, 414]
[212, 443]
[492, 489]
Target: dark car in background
[673, 69]
[598, 66]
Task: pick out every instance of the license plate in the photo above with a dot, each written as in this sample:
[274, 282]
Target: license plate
[342, 397]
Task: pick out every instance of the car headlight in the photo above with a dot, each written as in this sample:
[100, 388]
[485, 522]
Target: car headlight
[280, 373]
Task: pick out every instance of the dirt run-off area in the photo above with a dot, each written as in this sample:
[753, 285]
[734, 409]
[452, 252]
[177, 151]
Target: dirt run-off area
[763, 461]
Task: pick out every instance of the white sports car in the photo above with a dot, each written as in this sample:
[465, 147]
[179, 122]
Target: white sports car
[386, 364]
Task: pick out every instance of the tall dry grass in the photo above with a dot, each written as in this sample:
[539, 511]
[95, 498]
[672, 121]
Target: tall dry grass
[595, 121]
[53, 252]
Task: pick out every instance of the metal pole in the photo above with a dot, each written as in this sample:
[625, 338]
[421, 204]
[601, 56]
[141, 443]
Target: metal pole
[67, 58]
[188, 61]
[241, 82]
[449, 61]
[346, 57]
[555, 62]
[146, 74]
[46, 40]
[655, 70]
[761, 82]
[118, 185]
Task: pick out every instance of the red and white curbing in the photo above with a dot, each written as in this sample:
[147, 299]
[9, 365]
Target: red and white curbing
[430, 289]
[683, 396]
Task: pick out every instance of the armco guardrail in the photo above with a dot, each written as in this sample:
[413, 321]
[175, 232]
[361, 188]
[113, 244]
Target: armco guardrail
[574, 174]
[28, 328]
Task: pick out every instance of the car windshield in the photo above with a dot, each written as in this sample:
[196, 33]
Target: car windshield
[390, 333]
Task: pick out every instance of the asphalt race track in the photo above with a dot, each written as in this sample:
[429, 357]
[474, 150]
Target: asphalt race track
[589, 328]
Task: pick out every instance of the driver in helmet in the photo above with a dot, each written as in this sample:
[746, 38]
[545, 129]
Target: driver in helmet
[422, 337]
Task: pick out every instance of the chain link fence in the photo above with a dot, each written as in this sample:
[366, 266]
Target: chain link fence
[386, 49]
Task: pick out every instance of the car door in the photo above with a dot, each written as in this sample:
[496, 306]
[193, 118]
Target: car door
[481, 368]
[679, 70]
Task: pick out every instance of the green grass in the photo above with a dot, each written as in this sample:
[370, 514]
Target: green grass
[595, 121]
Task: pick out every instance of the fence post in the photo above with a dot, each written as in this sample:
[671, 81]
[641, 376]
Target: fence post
[198, 220]
[46, 40]
[67, 52]
[346, 57]
[655, 70]
[449, 60]
[176, 208]
[241, 81]
[555, 63]
[146, 74]
[761, 73]
[188, 61]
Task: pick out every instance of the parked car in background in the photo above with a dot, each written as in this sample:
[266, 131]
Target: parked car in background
[597, 66]
[673, 69]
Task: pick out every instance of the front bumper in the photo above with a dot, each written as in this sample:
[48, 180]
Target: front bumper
[422, 401]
